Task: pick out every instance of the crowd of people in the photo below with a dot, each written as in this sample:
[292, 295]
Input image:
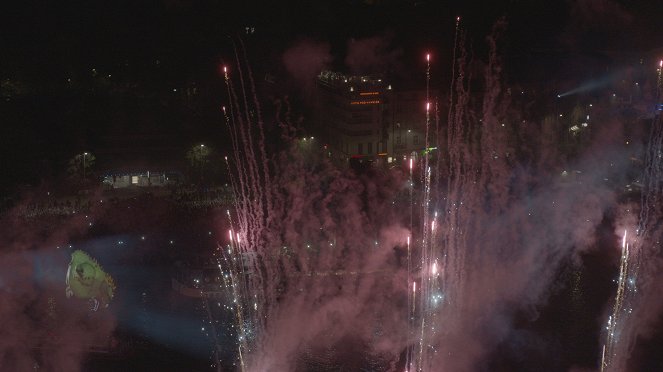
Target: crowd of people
[55, 207]
[190, 197]
[195, 197]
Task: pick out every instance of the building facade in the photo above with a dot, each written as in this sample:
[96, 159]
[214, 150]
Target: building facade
[121, 179]
[364, 118]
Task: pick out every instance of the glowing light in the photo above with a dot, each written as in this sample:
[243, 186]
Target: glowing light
[427, 106]
[618, 306]
[411, 163]
[373, 102]
[434, 269]
[230, 234]
[369, 93]
[427, 57]
[414, 286]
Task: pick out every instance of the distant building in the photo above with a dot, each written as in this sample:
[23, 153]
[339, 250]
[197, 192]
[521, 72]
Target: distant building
[125, 179]
[365, 119]
[407, 133]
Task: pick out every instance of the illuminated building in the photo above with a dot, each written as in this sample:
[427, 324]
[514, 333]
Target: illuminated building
[364, 118]
[124, 179]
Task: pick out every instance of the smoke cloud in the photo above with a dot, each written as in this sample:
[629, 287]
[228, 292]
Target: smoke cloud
[599, 14]
[373, 55]
[515, 204]
[596, 24]
[344, 280]
[305, 59]
[42, 329]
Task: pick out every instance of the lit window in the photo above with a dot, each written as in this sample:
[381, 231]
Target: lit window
[134, 180]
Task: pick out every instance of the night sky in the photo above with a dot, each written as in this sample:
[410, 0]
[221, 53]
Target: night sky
[149, 48]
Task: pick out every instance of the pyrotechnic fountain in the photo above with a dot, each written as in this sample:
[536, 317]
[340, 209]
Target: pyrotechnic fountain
[476, 156]
[310, 245]
[306, 240]
[501, 224]
[640, 263]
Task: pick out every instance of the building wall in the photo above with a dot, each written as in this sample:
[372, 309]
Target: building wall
[364, 118]
[137, 179]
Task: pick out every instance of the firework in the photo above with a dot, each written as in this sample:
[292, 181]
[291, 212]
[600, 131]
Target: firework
[637, 261]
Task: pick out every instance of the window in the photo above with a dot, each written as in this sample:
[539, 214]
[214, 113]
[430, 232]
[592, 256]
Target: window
[398, 140]
[134, 180]
[369, 148]
[360, 148]
[415, 140]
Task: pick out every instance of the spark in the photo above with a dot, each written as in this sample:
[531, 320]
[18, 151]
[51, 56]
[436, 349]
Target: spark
[613, 320]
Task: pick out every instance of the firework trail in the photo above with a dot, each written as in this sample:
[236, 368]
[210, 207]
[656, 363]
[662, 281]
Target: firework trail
[298, 247]
[251, 294]
[427, 234]
[493, 232]
[638, 265]
[419, 358]
[614, 319]
[315, 253]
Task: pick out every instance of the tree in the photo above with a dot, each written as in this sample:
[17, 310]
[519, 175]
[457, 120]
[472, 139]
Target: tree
[80, 165]
[198, 156]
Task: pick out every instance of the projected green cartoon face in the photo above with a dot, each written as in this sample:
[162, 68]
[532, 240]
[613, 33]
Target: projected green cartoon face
[85, 273]
[87, 280]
